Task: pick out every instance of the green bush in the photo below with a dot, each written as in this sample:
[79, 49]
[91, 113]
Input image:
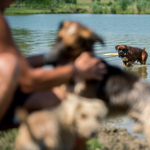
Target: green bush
[130, 10]
[143, 6]
[97, 9]
[139, 6]
[105, 10]
[109, 3]
[113, 8]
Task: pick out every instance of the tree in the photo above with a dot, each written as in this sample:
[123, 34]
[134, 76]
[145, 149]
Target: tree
[92, 1]
[124, 4]
[74, 1]
[18, 3]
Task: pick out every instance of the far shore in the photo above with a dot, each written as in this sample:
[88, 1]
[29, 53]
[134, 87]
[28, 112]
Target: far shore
[26, 11]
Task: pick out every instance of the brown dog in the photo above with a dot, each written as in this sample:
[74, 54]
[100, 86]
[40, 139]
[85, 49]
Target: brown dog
[130, 54]
[122, 91]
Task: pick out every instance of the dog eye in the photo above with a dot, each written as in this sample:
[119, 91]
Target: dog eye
[83, 116]
[98, 118]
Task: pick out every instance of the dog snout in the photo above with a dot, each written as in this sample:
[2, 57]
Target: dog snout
[93, 134]
[121, 54]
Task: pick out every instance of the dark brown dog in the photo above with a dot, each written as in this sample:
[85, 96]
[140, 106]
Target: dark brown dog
[130, 54]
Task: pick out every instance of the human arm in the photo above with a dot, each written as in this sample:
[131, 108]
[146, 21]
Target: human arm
[85, 66]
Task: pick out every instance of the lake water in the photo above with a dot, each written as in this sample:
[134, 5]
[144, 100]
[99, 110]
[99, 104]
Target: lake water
[36, 34]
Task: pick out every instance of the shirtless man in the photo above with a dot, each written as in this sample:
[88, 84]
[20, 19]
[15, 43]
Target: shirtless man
[34, 88]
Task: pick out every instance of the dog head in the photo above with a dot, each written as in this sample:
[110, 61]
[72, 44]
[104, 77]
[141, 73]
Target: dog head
[89, 114]
[122, 50]
[84, 115]
[72, 39]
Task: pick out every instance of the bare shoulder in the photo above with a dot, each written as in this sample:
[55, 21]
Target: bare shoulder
[5, 34]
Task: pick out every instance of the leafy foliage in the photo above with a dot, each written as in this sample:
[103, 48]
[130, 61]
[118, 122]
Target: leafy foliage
[89, 6]
[96, 8]
[94, 144]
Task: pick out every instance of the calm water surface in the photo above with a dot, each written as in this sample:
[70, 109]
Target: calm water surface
[36, 34]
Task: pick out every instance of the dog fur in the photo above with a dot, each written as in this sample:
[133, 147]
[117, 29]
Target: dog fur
[130, 54]
[64, 128]
[72, 39]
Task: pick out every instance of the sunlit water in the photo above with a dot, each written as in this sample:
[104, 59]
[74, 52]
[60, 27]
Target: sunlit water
[35, 34]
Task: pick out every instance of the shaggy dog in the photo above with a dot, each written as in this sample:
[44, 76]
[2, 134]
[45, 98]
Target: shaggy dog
[64, 128]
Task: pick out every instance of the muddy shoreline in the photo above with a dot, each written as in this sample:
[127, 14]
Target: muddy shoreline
[113, 138]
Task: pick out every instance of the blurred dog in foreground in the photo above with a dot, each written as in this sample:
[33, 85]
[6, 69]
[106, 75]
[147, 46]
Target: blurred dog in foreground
[64, 128]
[121, 91]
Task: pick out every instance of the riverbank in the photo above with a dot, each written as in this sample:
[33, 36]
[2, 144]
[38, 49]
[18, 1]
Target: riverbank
[25, 11]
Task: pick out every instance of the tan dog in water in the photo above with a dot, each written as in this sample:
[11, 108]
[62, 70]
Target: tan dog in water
[64, 128]
[121, 91]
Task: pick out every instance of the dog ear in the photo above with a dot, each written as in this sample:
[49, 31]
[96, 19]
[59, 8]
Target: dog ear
[116, 47]
[127, 48]
[60, 25]
[88, 34]
[97, 38]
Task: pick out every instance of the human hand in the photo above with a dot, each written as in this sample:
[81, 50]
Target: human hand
[89, 67]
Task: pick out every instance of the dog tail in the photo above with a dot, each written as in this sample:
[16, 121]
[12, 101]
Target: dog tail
[144, 48]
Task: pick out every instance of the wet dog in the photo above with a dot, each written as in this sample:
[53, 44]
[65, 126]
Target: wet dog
[121, 91]
[130, 54]
[64, 128]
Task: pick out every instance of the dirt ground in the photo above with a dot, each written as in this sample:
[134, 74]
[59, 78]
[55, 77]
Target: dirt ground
[119, 139]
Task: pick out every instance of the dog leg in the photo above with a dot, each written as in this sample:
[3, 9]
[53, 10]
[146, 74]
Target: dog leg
[124, 63]
[138, 127]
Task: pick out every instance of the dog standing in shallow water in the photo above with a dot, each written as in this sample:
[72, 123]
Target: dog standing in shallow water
[130, 54]
[121, 91]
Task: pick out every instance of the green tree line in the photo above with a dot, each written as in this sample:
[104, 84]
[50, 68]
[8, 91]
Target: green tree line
[94, 6]
[46, 2]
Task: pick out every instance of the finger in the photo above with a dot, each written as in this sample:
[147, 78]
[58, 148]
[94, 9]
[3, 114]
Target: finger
[99, 77]
[101, 65]
[94, 62]
[102, 71]
[85, 54]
